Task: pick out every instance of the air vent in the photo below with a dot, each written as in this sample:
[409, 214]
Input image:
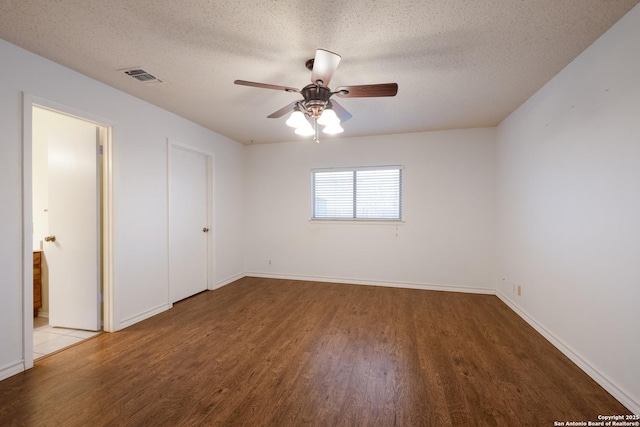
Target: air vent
[141, 75]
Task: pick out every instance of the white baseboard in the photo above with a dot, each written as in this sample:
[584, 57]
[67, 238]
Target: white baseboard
[409, 285]
[11, 369]
[142, 316]
[225, 282]
[164, 307]
[623, 397]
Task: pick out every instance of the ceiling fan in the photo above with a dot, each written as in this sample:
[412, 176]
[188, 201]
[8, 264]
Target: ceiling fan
[316, 107]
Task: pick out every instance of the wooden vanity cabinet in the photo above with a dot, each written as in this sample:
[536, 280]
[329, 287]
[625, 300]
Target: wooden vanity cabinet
[37, 282]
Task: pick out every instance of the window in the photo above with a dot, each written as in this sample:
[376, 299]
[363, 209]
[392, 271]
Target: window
[369, 193]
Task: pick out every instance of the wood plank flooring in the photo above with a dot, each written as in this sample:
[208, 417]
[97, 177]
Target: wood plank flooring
[266, 352]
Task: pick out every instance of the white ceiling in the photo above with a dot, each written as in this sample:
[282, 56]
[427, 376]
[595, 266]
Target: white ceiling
[458, 64]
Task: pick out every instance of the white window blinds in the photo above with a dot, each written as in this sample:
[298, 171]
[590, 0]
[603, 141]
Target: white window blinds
[371, 193]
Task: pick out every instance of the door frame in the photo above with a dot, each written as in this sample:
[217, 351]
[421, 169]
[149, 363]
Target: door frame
[171, 143]
[109, 292]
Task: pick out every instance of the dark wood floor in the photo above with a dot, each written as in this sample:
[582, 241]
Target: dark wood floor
[285, 353]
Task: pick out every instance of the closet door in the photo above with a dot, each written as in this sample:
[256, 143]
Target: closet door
[189, 192]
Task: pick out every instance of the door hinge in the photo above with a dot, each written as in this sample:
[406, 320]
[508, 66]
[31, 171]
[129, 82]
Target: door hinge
[100, 150]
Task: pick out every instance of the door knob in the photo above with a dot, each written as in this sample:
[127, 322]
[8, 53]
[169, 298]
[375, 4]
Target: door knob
[50, 239]
[206, 230]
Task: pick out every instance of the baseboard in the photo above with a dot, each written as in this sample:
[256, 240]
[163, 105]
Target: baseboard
[227, 281]
[409, 285]
[44, 314]
[164, 307]
[142, 316]
[632, 404]
[11, 369]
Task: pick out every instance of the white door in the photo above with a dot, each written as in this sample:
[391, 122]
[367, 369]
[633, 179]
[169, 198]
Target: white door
[73, 210]
[188, 222]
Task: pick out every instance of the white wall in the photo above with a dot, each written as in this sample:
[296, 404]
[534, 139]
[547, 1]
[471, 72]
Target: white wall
[569, 209]
[140, 205]
[446, 242]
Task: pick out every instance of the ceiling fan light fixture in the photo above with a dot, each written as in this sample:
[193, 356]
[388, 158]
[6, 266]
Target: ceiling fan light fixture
[328, 117]
[305, 129]
[316, 108]
[297, 119]
[333, 129]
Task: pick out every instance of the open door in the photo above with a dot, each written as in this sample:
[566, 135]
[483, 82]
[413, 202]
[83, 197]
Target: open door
[72, 247]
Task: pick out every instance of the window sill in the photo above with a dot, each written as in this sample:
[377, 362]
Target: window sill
[358, 221]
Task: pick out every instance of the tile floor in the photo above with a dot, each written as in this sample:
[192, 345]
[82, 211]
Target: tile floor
[48, 339]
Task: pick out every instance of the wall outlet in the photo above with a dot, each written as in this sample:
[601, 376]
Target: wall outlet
[513, 285]
[519, 290]
[269, 262]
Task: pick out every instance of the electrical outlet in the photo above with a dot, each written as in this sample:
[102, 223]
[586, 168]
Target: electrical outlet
[519, 290]
[513, 285]
[269, 263]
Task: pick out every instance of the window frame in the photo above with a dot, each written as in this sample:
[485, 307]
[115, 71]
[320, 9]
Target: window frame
[355, 170]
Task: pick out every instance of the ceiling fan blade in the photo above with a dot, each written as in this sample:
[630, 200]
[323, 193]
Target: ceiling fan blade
[284, 110]
[324, 65]
[266, 86]
[342, 114]
[367, 91]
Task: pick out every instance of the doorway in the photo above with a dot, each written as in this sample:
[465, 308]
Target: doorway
[66, 200]
[66, 161]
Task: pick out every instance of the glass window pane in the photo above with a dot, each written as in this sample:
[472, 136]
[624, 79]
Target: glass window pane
[358, 193]
[378, 194]
[333, 194]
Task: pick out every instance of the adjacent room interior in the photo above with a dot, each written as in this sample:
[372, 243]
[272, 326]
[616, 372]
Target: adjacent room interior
[454, 242]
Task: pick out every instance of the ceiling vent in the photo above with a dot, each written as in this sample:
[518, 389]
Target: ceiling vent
[141, 75]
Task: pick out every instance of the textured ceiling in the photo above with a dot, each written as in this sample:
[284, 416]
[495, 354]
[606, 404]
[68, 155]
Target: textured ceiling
[458, 63]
